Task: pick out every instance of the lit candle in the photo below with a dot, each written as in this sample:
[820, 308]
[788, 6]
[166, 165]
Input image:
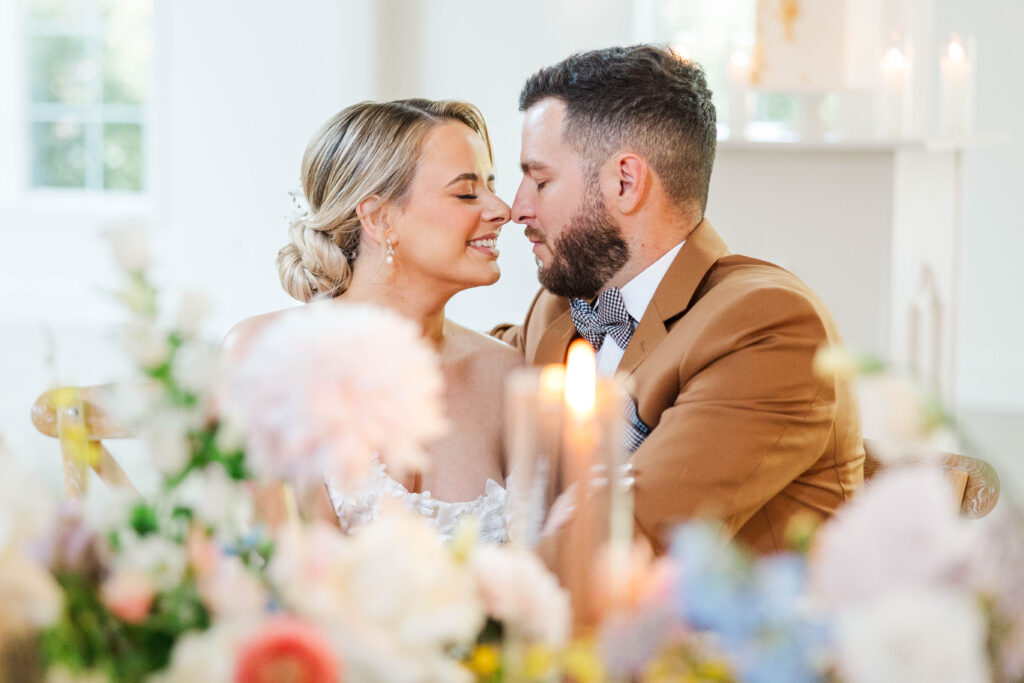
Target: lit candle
[956, 89]
[739, 71]
[897, 70]
[533, 442]
[581, 440]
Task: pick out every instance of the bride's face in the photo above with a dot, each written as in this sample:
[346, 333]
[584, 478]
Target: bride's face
[447, 229]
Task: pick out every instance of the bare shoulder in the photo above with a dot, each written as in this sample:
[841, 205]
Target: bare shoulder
[238, 338]
[483, 350]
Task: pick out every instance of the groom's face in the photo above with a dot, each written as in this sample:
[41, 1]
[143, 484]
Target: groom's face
[577, 244]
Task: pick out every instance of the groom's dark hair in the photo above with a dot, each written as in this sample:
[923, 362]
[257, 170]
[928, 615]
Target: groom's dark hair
[644, 97]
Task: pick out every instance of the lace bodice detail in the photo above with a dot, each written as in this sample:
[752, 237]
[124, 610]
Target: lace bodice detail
[353, 510]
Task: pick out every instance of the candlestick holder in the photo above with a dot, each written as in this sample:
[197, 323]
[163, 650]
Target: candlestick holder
[564, 433]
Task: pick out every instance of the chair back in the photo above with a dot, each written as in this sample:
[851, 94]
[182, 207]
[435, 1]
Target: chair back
[76, 417]
[975, 482]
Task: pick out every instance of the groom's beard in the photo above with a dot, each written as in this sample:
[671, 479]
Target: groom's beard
[588, 253]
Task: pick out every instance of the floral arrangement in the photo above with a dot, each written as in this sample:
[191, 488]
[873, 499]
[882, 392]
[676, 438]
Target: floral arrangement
[190, 584]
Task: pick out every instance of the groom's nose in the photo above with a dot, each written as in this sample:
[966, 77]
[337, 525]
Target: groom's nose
[522, 205]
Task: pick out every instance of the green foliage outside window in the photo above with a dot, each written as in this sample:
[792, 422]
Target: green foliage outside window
[88, 63]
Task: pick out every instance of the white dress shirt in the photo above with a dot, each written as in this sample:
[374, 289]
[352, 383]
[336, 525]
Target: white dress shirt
[636, 295]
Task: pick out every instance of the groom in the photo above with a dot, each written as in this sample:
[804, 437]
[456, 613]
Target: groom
[729, 420]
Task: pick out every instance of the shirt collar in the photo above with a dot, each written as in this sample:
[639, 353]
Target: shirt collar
[637, 293]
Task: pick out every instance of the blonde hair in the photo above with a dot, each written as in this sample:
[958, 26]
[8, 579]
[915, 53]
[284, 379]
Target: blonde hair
[370, 148]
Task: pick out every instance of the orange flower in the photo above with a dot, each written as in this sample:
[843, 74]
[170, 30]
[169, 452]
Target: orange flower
[286, 650]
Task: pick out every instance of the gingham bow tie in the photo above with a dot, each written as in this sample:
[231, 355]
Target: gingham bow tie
[611, 317]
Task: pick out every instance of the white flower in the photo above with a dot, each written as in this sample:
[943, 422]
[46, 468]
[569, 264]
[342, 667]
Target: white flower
[231, 591]
[391, 597]
[518, 590]
[207, 656]
[29, 594]
[326, 387]
[109, 512]
[146, 344]
[156, 557]
[893, 414]
[215, 499]
[166, 436]
[192, 311]
[130, 245]
[901, 532]
[195, 367]
[933, 636]
[27, 512]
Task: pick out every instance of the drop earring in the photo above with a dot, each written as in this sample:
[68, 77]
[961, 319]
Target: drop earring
[389, 251]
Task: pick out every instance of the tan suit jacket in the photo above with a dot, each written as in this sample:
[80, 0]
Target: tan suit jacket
[720, 368]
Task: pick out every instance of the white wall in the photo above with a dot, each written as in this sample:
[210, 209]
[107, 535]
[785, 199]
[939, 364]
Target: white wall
[483, 52]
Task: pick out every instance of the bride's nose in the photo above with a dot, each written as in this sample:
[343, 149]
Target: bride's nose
[497, 211]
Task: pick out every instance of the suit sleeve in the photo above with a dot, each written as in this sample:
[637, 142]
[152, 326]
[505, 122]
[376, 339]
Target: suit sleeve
[515, 335]
[746, 424]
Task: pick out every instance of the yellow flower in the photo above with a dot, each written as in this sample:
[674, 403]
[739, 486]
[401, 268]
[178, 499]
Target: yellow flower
[538, 661]
[835, 361]
[581, 664]
[484, 660]
[466, 534]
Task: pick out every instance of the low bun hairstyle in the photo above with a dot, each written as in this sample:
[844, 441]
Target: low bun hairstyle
[370, 148]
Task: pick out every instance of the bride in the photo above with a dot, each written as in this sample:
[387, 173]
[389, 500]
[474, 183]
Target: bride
[402, 214]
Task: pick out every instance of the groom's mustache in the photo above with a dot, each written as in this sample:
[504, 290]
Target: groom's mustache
[534, 235]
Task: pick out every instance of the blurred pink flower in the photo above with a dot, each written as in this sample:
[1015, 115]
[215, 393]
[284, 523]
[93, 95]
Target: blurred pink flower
[326, 387]
[902, 531]
[129, 595]
[286, 650]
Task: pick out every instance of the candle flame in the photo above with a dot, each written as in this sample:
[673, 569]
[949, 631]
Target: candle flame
[894, 58]
[956, 49]
[581, 378]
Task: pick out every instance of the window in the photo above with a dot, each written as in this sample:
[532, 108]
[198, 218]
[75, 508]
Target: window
[88, 64]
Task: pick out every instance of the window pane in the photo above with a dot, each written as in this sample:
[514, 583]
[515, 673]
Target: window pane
[122, 157]
[58, 154]
[126, 51]
[56, 11]
[61, 71]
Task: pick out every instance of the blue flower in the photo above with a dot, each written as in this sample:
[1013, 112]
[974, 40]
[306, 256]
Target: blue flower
[755, 607]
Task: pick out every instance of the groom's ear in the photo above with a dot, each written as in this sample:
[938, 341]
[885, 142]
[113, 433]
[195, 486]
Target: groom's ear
[633, 179]
[371, 215]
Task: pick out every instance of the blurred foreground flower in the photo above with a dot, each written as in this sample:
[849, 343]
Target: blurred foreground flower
[902, 532]
[391, 597]
[936, 636]
[328, 387]
[286, 650]
[757, 608]
[519, 591]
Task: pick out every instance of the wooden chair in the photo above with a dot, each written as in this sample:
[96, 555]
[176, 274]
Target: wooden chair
[975, 482]
[75, 416]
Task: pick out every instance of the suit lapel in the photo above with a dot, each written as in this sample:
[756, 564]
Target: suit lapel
[702, 249]
[554, 342]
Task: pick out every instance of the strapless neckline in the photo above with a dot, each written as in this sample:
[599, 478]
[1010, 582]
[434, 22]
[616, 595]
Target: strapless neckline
[355, 509]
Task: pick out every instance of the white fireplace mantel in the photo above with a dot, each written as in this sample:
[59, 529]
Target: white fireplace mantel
[874, 226]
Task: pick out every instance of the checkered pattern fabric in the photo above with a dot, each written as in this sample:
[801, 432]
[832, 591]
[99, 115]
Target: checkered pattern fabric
[636, 431]
[609, 318]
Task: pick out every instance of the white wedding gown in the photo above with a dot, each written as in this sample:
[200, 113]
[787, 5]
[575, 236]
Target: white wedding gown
[489, 509]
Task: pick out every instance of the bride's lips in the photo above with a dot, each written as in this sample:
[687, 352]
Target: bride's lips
[486, 244]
